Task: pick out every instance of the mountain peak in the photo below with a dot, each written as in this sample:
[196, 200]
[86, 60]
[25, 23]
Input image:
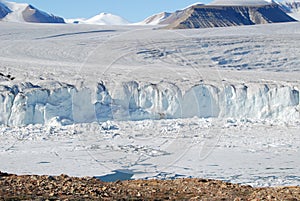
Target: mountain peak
[165, 17]
[22, 12]
[215, 15]
[102, 19]
[155, 19]
[107, 19]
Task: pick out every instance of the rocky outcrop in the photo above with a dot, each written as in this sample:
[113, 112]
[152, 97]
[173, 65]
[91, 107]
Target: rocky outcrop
[223, 16]
[31, 14]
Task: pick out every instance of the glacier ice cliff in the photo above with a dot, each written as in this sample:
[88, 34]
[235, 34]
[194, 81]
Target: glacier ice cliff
[26, 103]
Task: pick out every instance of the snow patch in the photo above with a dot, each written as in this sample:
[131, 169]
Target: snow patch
[194, 4]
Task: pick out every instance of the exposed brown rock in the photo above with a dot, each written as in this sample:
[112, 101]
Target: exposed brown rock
[63, 187]
[208, 16]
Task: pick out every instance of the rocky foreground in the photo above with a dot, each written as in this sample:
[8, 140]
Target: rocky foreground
[63, 187]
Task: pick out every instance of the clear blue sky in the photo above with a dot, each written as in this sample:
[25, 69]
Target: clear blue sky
[132, 10]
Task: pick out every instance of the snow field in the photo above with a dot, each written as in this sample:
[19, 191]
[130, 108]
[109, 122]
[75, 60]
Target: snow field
[260, 153]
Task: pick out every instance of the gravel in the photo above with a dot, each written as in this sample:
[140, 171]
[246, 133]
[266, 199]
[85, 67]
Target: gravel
[63, 187]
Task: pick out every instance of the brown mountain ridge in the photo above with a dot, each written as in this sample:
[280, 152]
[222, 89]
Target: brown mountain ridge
[208, 16]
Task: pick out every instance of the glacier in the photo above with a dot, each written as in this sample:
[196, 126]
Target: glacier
[240, 83]
[47, 102]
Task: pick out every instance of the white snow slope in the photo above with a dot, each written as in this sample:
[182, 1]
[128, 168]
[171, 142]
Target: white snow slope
[228, 95]
[155, 19]
[101, 19]
[294, 8]
[159, 18]
[16, 14]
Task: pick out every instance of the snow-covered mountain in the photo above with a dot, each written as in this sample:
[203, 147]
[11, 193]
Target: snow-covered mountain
[166, 17]
[220, 13]
[101, 19]
[156, 19]
[217, 13]
[21, 12]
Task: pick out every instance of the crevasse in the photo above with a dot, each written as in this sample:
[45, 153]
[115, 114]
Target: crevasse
[25, 103]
